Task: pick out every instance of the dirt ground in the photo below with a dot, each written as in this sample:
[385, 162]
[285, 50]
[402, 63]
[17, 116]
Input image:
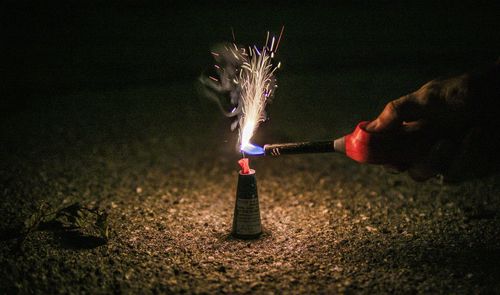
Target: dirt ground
[166, 174]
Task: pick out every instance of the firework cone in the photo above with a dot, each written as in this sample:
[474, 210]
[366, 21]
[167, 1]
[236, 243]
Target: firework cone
[246, 219]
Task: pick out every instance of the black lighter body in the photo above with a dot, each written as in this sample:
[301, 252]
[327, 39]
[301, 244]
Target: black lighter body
[246, 219]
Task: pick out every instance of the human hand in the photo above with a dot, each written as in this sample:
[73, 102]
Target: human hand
[438, 130]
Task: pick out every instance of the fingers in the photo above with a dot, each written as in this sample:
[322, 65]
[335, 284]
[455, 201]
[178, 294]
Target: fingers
[388, 119]
[414, 126]
[403, 109]
[434, 161]
[428, 127]
[474, 156]
[406, 114]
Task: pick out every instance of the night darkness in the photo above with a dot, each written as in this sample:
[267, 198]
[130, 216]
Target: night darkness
[117, 176]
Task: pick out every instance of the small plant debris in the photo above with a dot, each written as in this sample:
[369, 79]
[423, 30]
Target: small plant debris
[74, 223]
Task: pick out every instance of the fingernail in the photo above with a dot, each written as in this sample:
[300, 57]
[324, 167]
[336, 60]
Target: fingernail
[372, 126]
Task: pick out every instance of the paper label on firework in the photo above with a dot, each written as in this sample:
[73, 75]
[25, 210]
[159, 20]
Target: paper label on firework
[247, 216]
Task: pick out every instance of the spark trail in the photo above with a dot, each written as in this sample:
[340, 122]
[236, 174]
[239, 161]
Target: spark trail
[246, 77]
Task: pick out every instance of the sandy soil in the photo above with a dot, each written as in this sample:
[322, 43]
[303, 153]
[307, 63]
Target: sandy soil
[166, 173]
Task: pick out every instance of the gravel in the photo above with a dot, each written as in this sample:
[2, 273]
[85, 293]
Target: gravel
[165, 170]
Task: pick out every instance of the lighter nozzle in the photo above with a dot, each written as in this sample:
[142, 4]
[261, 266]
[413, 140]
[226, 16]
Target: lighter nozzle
[299, 148]
[339, 145]
[275, 150]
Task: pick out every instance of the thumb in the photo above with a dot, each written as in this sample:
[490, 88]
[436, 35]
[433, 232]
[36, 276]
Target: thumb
[395, 113]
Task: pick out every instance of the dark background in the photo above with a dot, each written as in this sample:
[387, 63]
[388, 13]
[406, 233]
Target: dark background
[99, 106]
[66, 46]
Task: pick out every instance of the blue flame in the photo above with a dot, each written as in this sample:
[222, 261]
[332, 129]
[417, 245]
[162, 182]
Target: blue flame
[253, 150]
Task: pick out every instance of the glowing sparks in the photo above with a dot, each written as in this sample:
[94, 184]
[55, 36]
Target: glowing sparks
[257, 82]
[246, 75]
